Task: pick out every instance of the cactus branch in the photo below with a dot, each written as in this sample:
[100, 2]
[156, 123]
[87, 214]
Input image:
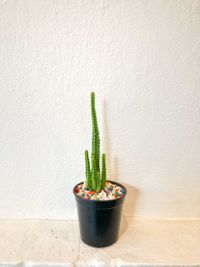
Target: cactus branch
[93, 173]
[95, 133]
[103, 173]
[98, 189]
[87, 170]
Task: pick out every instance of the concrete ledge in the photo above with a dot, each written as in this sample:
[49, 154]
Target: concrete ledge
[142, 243]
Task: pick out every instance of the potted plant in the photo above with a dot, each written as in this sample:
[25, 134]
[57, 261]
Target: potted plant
[99, 201]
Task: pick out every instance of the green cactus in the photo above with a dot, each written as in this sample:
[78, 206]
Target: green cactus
[103, 171]
[95, 179]
[98, 188]
[95, 132]
[93, 173]
[87, 170]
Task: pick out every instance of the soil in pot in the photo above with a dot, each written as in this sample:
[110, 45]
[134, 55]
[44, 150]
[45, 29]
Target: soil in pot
[111, 191]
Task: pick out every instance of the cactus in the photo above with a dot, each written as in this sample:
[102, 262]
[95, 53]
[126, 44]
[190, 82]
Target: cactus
[95, 132]
[103, 172]
[93, 173]
[87, 170]
[95, 179]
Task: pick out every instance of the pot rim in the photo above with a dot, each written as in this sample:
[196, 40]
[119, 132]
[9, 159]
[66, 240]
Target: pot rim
[94, 200]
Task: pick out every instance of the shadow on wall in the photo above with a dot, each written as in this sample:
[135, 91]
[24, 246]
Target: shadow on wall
[129, 206]
[113, 171]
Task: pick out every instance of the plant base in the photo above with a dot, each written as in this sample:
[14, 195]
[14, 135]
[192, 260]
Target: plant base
[99, 221]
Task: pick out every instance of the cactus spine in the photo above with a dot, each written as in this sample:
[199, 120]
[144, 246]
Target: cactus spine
[95, 180]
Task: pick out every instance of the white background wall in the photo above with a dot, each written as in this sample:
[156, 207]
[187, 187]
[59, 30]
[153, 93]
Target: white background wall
[142, 58]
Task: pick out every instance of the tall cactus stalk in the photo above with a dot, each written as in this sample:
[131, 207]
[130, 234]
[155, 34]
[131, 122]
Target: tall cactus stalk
[103, 171]
[95, 179]
[95, 132]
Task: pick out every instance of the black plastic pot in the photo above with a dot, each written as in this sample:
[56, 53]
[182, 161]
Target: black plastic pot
[99, 221]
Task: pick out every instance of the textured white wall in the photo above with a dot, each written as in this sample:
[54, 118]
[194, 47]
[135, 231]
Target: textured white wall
[142, 58]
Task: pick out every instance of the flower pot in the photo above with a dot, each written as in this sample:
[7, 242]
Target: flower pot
[99, 221]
